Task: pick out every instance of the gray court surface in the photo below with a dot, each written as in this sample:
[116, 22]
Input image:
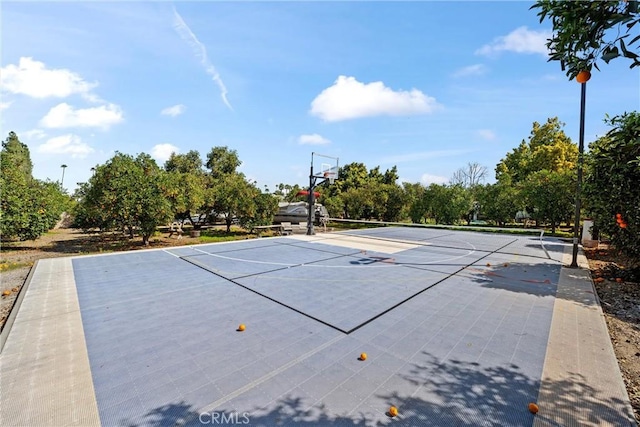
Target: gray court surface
[459, 329]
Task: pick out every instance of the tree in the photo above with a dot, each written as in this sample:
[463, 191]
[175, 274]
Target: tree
[184, 163]
[266, 207]
[222, 161]
[611, 182]
[234, 198]
[126, 192]
[188, 188]
[471, 175]
[498, 202]
[29, 207]
[585, 31]
[550, 195]
[447, 204]
[548, 148]
[414, 194]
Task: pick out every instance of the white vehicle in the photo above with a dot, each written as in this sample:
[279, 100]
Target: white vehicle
[297, 212]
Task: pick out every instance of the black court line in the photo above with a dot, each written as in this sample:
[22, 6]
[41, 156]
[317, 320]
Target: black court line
[266, 296]
[366, 322]
[425, 289]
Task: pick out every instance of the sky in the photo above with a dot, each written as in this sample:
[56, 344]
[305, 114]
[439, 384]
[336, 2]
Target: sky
[425, 86]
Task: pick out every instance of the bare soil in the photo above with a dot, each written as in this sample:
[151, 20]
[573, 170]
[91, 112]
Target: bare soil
[618, 286]
[616, 282]
[17, 258]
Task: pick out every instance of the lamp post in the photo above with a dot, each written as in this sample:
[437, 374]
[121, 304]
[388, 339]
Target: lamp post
[62, 182]
[582, 78]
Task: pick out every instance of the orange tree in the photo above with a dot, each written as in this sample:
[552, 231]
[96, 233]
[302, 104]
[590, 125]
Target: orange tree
[127, 193]
[612, 190]
[29, 207]
[586, 31]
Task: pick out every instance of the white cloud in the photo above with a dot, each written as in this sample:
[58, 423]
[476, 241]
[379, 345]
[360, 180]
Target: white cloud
[162, 152]
[64, 116]
[520, 40]
[34, 134]
[427, 179]
[174, 111]
[487, 134]
[201, 52]
[471, 70]
[313, 139]
[66, 144]
[5, 105]
[33, 79]
[350, 99]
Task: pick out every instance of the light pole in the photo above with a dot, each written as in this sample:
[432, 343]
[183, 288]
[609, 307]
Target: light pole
[62, 182]
[582, 78]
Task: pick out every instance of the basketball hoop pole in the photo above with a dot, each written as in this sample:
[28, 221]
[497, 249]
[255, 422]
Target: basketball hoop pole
[327, 173]
[311, 201]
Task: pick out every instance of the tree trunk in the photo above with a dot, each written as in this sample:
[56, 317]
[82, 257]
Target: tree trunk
[145, 240]
[130, 228]
[553, 227]
[228, 221]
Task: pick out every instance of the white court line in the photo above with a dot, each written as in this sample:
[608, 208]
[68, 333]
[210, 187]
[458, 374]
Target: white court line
[379, 264]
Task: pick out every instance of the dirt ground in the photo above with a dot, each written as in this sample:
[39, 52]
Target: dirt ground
[617, 285]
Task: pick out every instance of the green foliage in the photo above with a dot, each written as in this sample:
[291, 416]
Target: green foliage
[29, 207]
[612, 182]
[222, 161]
[187, 187]
[362, 194]
[547, 148]
[447, 204]
[234, 198]
[266, 207]
[127, 193]
[414, 194]
[585, 31]
[498, 202]
[550, 195]
[184, 163]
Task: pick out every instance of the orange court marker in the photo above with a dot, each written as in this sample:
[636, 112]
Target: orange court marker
[393, 411]
[241, 328]
[533, 408]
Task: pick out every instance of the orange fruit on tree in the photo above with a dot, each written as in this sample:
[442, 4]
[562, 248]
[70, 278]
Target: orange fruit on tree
[619, 279]
[533, 408]
[583, 76]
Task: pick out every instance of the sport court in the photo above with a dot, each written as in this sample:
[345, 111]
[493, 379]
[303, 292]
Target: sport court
[459, 328]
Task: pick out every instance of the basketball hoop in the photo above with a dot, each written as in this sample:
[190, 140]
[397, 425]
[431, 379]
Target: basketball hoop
[331, 176]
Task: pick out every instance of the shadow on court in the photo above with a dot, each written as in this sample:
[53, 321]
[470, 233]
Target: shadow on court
[540, 280]
[451, 393]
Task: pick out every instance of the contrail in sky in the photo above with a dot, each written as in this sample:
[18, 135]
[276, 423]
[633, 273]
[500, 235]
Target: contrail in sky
[201, 52]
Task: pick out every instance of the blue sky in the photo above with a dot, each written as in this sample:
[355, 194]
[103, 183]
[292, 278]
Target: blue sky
[425, 86]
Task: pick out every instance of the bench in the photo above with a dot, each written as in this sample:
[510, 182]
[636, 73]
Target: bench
[258, 229]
